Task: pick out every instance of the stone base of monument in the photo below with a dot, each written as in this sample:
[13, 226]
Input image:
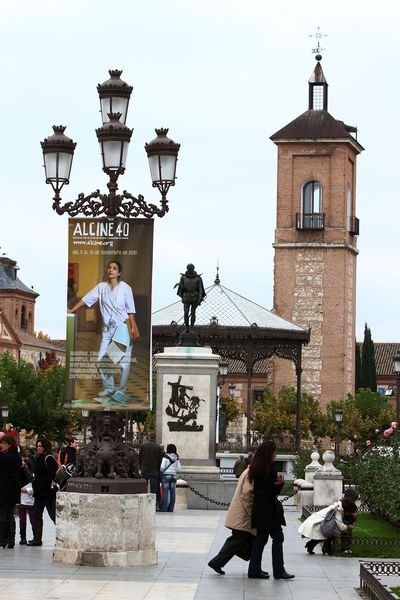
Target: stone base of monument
[105, 530]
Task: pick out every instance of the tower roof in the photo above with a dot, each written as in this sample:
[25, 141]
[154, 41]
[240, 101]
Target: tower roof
[317, 124]
[225, 307]
[8, 277]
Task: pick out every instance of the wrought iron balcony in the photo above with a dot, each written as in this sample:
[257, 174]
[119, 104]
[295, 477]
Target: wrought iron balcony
[354, 225]
[310, 220]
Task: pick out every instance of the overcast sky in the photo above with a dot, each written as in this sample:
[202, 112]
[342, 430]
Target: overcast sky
[223, 75]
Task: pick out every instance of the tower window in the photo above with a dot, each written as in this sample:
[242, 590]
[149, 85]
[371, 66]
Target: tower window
[318, 97]
[24, 322]
[311, 216]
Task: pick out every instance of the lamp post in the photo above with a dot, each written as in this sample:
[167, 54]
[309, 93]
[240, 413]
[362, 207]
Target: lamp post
[114, 138]
[223, 372]
[396, 369]
[338, 421]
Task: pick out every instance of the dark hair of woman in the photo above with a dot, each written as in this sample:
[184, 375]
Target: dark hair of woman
[45, 443]
[171, 448]
[10, 440]
[116, 262]
[263, 460]
[349, 506]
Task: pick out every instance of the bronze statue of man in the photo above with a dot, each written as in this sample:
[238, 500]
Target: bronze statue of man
[191, 291]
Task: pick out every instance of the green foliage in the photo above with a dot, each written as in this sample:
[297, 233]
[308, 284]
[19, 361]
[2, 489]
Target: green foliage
[358, 368]
[377, 475]
[36, 399]
[364, 415]
[275, 415]
[303, 459]
[368, 367]
[232, 408]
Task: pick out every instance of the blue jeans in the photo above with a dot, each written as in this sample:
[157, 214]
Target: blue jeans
[153, 476]
[169, 488]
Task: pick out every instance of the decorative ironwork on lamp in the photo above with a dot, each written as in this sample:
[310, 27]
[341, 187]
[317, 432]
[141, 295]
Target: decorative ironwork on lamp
[114, 138]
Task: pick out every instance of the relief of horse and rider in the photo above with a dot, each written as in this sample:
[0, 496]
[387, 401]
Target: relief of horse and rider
[183, 407]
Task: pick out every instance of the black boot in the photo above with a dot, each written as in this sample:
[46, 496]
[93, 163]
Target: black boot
[311, 545]
[37, 534]
[3, 534]
[22, 533]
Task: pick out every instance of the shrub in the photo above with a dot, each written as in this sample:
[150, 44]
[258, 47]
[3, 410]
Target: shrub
[377, 476]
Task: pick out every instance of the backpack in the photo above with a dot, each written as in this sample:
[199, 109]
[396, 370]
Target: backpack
[328, 525]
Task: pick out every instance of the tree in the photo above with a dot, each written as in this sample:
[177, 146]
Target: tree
[358, 385]
[36, 399]
[365, 414]
[50, 360]
[276, 415]
[368, 367]
[42, 336]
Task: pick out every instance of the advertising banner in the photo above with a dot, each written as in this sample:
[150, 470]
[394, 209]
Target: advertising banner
[109, 314]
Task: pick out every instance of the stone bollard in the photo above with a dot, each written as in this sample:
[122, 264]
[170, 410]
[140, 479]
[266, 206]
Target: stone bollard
[181, 494]
[297, 483]
[307, 494]
[313, 467]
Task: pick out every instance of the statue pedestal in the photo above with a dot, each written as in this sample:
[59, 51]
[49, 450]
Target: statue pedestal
[328, 482]
[105, 530]
[186, 404]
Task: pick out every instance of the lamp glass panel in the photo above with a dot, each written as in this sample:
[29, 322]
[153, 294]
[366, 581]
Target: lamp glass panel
[397, 364]
[154, 168]
[338, 416]
[168, 167]
[114, 154]
[58, 165]
[114, 105]
[64, 165]
[50, 165]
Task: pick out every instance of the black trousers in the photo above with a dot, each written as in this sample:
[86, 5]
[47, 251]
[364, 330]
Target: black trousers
[238, 544]
[41, 503]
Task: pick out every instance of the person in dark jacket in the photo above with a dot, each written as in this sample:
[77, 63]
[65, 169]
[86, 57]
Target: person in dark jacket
[267, 512]
[10, 486]
[43, 492]
[68, 453]
[150, 456]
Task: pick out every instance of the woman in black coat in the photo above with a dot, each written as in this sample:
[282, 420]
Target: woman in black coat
[44, 493]
[10, 488]
[267, 512]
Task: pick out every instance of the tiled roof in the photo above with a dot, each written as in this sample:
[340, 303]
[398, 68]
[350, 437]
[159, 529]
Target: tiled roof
[384, 354]
[315, 124]
[27, 339]
[229, 308]
[9, 279]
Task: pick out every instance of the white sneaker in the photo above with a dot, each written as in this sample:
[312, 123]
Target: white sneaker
[105, 393]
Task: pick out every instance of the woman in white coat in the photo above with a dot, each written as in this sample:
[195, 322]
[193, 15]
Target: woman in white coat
[345, 515]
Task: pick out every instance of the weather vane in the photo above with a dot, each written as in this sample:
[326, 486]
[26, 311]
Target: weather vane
[318, 35]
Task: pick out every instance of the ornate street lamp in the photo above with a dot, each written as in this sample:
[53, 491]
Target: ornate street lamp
[232, 390]
[114, 138]
[338, 421]
[396, 369]
[114, 96]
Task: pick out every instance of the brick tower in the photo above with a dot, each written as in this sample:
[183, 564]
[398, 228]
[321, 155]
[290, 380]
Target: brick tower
[316, 243]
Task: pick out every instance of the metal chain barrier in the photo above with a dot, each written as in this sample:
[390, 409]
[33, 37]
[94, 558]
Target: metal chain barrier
[218, 503]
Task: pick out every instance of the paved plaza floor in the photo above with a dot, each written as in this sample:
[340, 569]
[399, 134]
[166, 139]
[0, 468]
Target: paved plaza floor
[186, 540]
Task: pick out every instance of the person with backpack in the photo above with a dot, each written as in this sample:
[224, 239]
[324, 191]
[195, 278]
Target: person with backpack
[67, 455]
[170, 465]
[324, 524]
